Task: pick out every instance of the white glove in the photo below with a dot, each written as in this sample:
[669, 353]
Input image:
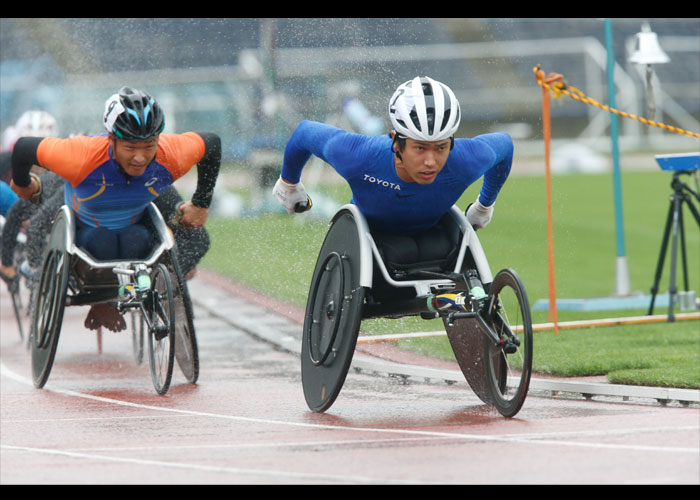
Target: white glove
[292, 197]
[478, 215]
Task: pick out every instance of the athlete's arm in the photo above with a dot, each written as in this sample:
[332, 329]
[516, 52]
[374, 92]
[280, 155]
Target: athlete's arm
[207, 170]
[309, 138]
[500, 153]
[196, 211]
[489, 156]
[23, 158]
[330, 144]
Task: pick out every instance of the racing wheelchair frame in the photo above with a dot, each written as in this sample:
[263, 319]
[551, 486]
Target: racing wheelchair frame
[154, 289]
[487, 319]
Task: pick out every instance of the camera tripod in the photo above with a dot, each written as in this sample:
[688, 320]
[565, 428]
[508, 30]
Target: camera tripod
[674, 227]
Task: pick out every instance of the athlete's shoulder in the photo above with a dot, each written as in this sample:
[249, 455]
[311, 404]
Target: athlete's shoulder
[184, 140]
[485, 145]
[311, 125]
[74, 157]
[323, 132]
[357, 150]
[492, 138]
[180, 152]
[495, 140]
[76, 143]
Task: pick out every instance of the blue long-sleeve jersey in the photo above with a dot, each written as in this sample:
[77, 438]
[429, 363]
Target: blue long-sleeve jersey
[389, 203]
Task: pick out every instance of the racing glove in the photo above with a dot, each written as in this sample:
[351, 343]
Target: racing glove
[292, 197]
[478, 215]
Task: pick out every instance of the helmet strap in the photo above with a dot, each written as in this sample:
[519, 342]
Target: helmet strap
[393, 149]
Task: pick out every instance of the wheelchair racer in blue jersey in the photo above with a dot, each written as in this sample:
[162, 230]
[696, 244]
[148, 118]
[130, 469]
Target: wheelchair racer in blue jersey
[405, 182]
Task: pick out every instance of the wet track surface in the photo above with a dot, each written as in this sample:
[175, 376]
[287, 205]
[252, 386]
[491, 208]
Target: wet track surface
[99, 421]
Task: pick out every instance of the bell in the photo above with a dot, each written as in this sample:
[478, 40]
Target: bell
[647, 48]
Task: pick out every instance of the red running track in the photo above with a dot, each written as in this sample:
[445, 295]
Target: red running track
[99, 421]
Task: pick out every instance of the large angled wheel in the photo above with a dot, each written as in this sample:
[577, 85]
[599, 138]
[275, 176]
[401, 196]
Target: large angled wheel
[508, 366]
[466, 337]
[333, 315]
[186, 352]
[161, 334]
[47, 311]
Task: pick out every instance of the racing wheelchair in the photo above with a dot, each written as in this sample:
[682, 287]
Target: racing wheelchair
[14, 284]
[362, 275]
[153, 291]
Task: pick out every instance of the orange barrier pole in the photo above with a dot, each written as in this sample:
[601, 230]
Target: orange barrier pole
[547, 132]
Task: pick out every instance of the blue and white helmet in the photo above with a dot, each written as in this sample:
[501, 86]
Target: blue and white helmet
[424, 109]
[133, 115]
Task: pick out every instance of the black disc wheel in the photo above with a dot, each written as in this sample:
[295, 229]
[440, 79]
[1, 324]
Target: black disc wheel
[508, 362]
[161, 334]
[327, 300]
[333, 315]
[50, 302]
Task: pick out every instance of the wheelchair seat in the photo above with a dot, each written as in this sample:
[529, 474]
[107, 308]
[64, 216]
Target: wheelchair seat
[91, 274]
[405, 267]
[433, 251]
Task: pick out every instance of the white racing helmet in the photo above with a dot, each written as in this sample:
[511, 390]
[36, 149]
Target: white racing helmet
[36, 124]
[424, 109]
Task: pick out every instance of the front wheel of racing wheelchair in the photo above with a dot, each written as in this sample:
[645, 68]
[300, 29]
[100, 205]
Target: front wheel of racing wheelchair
[487, 320]
[154, 289]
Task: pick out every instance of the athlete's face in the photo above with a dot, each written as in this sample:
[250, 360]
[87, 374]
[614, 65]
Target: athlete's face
[422, 161]
[134, 157]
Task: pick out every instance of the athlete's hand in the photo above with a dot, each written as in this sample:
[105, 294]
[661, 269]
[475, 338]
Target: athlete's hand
[31, 192]
[478, 215]
[193, 217]
[292, 197]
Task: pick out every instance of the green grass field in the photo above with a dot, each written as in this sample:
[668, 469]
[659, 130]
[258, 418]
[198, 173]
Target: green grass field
[276, 253]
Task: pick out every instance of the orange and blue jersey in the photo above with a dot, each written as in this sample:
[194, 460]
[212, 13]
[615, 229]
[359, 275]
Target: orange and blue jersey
[98, 190]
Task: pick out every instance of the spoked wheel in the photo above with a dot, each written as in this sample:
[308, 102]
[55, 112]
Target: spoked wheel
[47, 312]
[161, 334]
[508, 366]
[14, 289]
[186, 352]
[333, 316]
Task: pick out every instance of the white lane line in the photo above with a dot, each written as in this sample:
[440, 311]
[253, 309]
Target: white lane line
[280, 444]
[88, 419]
[209, 468]
[4, 371]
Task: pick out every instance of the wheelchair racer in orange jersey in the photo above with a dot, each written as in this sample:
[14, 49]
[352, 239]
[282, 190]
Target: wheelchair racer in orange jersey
[111, 179]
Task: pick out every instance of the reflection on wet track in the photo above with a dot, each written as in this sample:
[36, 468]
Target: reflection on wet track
[99, 421]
